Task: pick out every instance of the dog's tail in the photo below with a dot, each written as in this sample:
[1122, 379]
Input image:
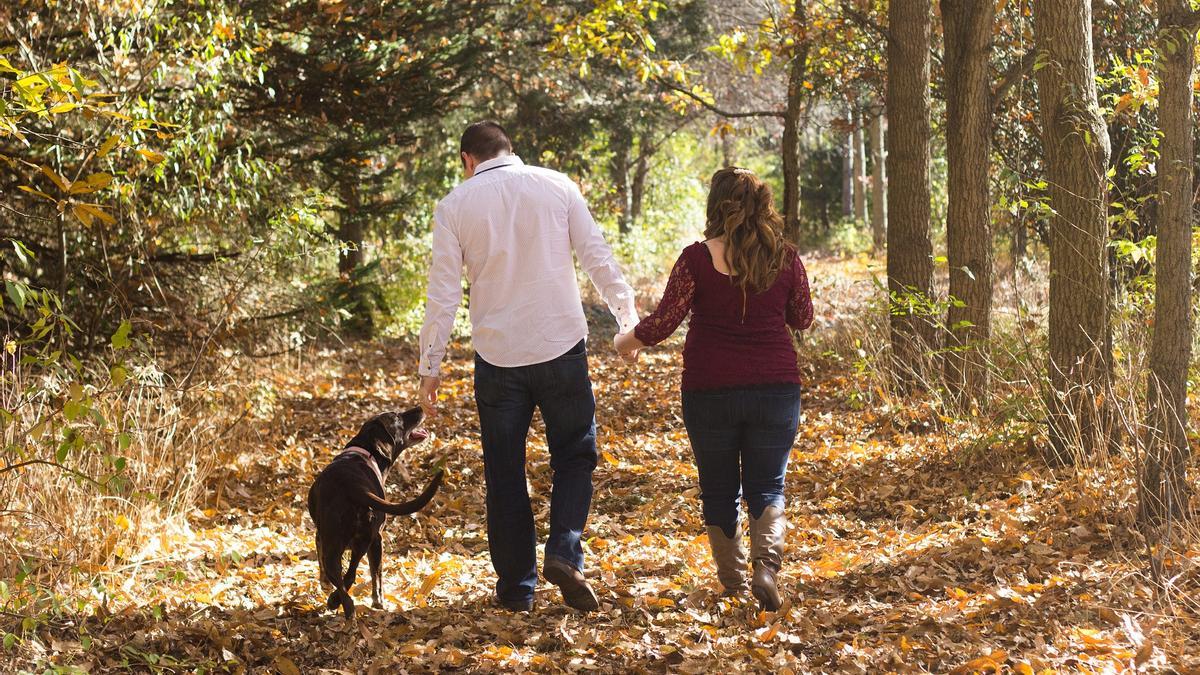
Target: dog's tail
[392, 509]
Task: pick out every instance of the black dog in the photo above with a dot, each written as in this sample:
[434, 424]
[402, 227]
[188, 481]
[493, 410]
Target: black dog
[347, 503]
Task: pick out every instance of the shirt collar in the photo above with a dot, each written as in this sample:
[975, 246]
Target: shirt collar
[496, 162]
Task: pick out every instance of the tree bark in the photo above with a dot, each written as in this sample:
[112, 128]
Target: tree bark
[968, 38]
[909, 262]
[1076, 144]
[791, 134]
[350, 232]
[848, 173]
[1163, 486]
[637, 187]
[860, 169]
[878, 187]
[618, 169]
[1020, 240]
[728, 152]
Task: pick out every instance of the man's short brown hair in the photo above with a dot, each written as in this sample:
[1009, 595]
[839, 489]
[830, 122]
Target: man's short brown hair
[485, 140]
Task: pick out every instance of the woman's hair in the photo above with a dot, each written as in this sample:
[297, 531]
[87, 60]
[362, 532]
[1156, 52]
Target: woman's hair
[742, 210]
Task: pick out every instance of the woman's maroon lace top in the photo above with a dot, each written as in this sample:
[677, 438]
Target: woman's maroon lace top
[735, 338]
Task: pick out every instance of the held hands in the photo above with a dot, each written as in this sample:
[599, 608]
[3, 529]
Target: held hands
[628, 346]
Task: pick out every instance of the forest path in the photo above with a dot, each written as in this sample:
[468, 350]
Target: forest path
[910, 547]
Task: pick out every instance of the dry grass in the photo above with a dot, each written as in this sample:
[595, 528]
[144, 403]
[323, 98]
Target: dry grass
[140, 457]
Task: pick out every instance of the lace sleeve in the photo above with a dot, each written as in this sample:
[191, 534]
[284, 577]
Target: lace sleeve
[672, 309]
[800, 307]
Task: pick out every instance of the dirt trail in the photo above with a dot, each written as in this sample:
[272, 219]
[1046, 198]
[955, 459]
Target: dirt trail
[909, 548]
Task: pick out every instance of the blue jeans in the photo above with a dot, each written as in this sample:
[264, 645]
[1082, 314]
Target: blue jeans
[506, 398]
[741, 439]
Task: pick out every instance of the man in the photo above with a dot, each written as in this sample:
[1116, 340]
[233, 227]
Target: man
[514, 227]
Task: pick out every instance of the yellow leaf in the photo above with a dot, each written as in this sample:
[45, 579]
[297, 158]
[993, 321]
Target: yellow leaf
[151, 155]
[430, 582]
[609, 458]
[108, 145]
[55, 178]
[92, 183]
[1023, 669]
[63, 107]
[83, 215]
[7, 67]
[95, 212]
[122, 522]
[286, 666]
[32, 191]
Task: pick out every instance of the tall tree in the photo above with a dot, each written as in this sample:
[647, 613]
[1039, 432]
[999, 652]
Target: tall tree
[860, 168]
[797, 68]
[848, 170]
[1075, 141]
[968, 44]
[878, 186]
[909, 262]
[1163, 489]
[335, 108]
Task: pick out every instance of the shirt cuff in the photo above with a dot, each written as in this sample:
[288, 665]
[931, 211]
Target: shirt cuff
[627, 321]
[428, 367]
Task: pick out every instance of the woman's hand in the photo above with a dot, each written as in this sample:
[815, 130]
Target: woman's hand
[628, 346]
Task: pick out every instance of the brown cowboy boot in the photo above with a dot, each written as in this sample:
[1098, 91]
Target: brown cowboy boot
[766, 551]
[730, 559]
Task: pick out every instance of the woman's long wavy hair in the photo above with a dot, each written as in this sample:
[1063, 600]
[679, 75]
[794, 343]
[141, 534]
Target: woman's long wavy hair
[741, 209]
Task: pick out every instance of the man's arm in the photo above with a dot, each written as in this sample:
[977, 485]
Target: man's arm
[597, 260]
[441, 304]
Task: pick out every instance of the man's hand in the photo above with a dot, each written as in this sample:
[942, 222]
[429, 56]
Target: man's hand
[427, 395]
[628, 346]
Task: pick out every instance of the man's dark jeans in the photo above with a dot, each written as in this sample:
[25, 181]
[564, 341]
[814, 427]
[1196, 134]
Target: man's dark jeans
[506, 397]
[742, 439]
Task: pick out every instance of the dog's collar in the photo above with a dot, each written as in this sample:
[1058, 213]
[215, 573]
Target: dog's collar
[366, 455]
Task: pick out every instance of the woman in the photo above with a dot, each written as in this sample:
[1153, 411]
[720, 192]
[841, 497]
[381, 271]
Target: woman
[744, 286]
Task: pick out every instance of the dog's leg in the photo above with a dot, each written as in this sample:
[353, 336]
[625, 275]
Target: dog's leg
[333, 573]
[321, 576]
[356, 555]
[375, 559]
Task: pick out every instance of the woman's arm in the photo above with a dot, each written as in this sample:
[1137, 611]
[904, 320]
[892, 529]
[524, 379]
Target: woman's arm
[671, 311]
[800, 307]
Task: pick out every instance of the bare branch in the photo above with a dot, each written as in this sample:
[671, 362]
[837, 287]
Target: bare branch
[733, 114]
[1015, 73]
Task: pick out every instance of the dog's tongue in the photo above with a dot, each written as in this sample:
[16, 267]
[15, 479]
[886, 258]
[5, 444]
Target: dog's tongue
[417, 435]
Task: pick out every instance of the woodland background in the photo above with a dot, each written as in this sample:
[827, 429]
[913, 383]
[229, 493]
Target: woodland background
[215, 221]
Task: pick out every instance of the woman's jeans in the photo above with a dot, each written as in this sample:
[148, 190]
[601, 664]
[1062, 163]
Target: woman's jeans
[741, 439]
[506, 397]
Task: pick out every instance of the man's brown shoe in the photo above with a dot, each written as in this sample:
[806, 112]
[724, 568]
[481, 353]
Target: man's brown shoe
[575, 589]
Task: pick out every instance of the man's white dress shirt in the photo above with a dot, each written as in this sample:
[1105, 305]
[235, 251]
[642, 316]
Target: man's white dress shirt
[514, 227]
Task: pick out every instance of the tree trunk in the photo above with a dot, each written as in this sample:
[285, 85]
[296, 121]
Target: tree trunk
[1020, 240]
[909, 261]
[637, 187]
[1164, 488]
[791, 132]
[728, 152]
[350, 232]
[860, 170]
[618, 170]
[878, 187]
[1075, 140]
[848, 173]
[968, 38]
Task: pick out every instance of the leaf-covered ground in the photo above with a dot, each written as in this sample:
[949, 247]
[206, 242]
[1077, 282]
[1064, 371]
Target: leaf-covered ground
[912, 545]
